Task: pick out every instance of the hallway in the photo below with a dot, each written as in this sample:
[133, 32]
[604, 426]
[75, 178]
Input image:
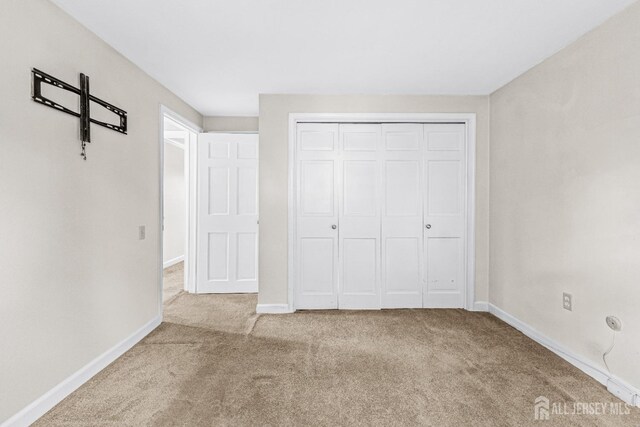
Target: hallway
[172, 281]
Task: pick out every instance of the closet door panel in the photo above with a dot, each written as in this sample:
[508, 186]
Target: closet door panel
[360, 266]
[444, 215]
[401, 226]
[316, 245]
[359, 219]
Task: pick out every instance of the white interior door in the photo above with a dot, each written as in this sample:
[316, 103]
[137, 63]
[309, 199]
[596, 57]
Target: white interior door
[402, 216]
[444, 215]
[227, 255]
[316, 245]
[359, 216]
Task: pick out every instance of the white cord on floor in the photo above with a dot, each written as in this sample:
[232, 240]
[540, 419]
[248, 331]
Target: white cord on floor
[604, 356]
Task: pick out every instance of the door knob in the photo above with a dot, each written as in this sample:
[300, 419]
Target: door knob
[334, 226]
[428, 226]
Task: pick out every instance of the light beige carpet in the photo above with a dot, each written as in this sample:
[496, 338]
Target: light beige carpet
[172, 281]
[214, 362]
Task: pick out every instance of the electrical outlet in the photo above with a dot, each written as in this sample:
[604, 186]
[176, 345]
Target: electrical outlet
[142, 232]
[566, 301]
[614, 323]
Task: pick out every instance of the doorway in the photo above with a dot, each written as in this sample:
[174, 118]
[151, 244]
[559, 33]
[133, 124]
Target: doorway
[178, 147]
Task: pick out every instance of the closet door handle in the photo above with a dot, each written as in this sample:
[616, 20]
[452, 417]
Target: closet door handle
[428, 226]
[334, 226]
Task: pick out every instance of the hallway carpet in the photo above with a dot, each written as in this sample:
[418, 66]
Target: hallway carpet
[214, 362]
[172, 281]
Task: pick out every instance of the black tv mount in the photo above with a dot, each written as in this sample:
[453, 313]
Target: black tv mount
[38, 78]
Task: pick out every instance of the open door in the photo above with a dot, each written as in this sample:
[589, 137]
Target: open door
[227, 213]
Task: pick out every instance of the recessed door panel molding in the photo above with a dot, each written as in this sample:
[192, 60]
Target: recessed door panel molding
[402, 137]
[247, 191]
[247, 150]
[381, 215]
[444, 174]
[402, 266]
[359, 137]
[359, 189]
[445, 140]
[219, 150]
[317, 260]
[218, 197]
[402, 188]
[317, 187]
[247, 259]
[227, 247]
[317, 137]
[359, 267]
[218, 259]
[444, 255]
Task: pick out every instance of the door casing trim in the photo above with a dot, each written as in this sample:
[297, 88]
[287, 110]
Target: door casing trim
[469, 119]
[191, 168]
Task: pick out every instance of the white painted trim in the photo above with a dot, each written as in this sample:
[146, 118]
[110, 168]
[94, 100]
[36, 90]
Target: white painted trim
[273, 308]
[235, 132]
[191, 166]
[468, 118]
[173, 261]
[174, 143]
[615, 385]
[291, 220]
[470, 253]
[166, 111]
[161, 113]
[480, 306]
[176, 135]
[44, 403]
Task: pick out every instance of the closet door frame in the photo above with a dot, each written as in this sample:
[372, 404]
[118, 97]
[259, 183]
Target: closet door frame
[468, 119]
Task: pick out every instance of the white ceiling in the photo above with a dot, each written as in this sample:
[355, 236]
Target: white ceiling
[218, 55]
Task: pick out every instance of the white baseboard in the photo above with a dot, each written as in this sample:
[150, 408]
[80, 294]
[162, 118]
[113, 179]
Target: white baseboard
[616, 386]
[173, 261]
[44, 403]
[284, 308]
[273, 309]
[480, 306]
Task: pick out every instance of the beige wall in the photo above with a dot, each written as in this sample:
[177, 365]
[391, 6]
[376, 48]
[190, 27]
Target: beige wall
[175, 203]
[75, 279]
[230, 124]
[565, 195]
[274, 135]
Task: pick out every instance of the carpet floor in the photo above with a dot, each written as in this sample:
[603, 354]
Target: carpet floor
[214, 362]
[172, 281]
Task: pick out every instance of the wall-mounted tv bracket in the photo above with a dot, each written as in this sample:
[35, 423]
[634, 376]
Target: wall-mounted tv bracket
[38, 78]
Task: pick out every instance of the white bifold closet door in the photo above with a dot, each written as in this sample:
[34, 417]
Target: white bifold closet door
[317, 216]
[402, 216]
[380, 216]
[445, 173]
[227, 248]
[359, 216]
